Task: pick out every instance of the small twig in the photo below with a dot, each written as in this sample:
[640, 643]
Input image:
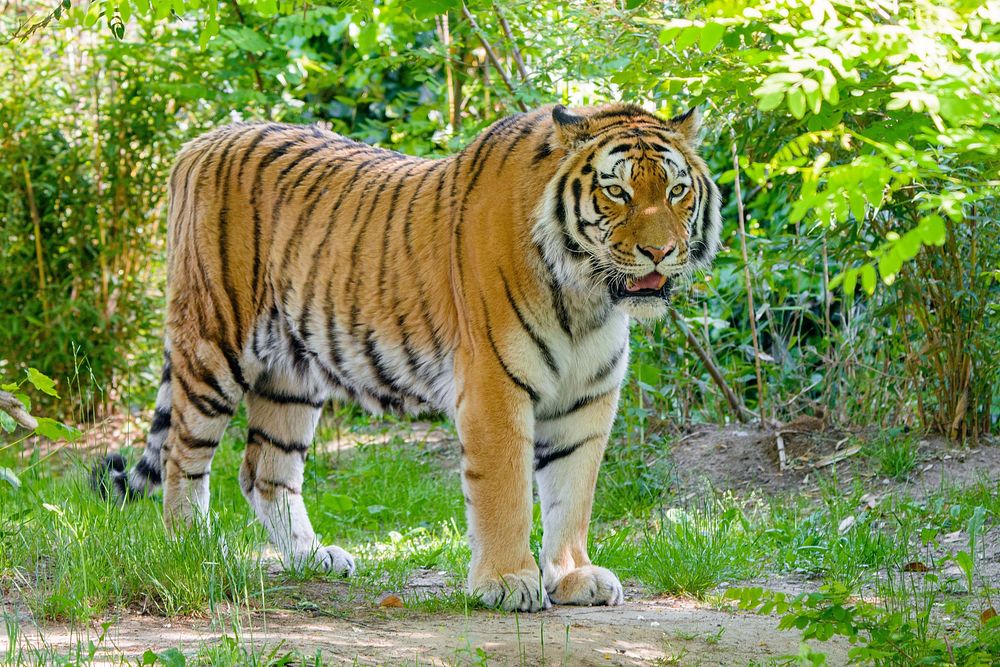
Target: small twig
[13, 407]
[761, 391]
[513, 45]
[492, 56]
[735, 403]
[782, 459]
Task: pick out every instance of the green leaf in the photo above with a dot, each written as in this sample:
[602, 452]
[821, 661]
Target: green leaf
[813, 96]
[857, 202]
[909, 245]
[247, 40]
[850, 281]
[932, 230]
[828, 86]
[687, 37]
[7, 422]
[42, 382]
[770, 101]
[797, 102]
[889, 264]
[172, 657]
[9, 476]
[53, 430]
[711, 35]
[868, 278]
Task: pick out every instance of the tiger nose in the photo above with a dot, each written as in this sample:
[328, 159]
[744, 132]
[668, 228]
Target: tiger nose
[657, 253]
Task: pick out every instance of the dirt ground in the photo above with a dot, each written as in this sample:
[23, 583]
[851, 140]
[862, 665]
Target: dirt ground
[653, 631]
[646, 630]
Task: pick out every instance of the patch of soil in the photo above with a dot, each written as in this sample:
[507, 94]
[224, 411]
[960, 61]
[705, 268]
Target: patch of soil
[661, 631]
[745, 459]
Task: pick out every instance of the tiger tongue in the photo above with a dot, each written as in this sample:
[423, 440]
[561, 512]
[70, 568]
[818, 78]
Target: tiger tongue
[652, 280]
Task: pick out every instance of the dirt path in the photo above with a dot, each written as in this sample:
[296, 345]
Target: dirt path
[657, 631]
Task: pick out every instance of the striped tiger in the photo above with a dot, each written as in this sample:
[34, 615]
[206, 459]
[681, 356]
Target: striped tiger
[495, 285]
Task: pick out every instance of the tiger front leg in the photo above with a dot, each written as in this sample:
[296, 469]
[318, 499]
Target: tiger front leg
[568, 455]
[495, 425]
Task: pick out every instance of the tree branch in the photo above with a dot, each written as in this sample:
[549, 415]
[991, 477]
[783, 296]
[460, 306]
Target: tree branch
[491, 55]
[15, 409]
[740, 410]
[510, 39]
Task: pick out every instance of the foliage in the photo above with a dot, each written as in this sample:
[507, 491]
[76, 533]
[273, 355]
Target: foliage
[879, 636]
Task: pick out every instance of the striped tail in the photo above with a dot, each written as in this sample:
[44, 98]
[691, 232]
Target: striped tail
[111, 476]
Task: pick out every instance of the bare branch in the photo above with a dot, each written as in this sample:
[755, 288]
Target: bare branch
[510, 40]
[740, 410]
[13, 407]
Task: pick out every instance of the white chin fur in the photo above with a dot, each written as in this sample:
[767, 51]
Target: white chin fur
[644, 308]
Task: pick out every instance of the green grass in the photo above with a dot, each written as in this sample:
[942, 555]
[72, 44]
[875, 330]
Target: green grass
[896, 453]
[67, 556]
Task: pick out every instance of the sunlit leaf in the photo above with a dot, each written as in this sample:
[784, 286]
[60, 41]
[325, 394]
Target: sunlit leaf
[42, 382]
[55, 431]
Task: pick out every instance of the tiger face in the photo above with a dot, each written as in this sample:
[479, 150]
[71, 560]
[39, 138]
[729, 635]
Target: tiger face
[634, 204]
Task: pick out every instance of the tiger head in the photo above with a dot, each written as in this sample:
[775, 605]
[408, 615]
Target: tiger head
[632, 208]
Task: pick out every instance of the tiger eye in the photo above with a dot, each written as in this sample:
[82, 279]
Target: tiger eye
[615, 190]
[677, 190]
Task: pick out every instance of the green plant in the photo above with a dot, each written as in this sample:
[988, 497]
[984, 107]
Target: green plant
[878, 636]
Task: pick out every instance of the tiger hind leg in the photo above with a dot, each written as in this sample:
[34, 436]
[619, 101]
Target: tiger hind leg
[205, 392]
[282, 414]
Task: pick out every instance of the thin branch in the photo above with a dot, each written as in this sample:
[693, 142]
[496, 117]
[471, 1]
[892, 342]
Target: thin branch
[740, 410]
[761, 391]
[516, 52]
[492, 56]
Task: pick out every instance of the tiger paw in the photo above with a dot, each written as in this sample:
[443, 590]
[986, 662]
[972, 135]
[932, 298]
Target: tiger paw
[517, 591]
[587, 586]
[331, 559]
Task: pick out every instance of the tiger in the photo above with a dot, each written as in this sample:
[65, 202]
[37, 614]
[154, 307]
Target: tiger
[495, 286]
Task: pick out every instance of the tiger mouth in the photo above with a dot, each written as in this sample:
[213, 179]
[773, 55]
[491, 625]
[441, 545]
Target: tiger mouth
[650, 285]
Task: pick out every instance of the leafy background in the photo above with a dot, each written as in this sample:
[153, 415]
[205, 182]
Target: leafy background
[856, 143]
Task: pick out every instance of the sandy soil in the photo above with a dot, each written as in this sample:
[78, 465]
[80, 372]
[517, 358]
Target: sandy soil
[656, 631]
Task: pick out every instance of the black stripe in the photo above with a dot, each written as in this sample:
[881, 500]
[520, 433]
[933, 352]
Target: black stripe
[542, 151]
[282, 398]
[161, 421]
[608, 366]
[204, 375]
[543, 348]
[557, 297]
[532, 394]
[206, 405]
[545, 452]
[526, 130]
[147, 471]
[578, 405]
[259, 437]
[223, 232]
[192, 442]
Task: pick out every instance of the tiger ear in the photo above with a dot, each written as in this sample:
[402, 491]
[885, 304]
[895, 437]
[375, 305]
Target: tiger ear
[687, 124]
[571, 129]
